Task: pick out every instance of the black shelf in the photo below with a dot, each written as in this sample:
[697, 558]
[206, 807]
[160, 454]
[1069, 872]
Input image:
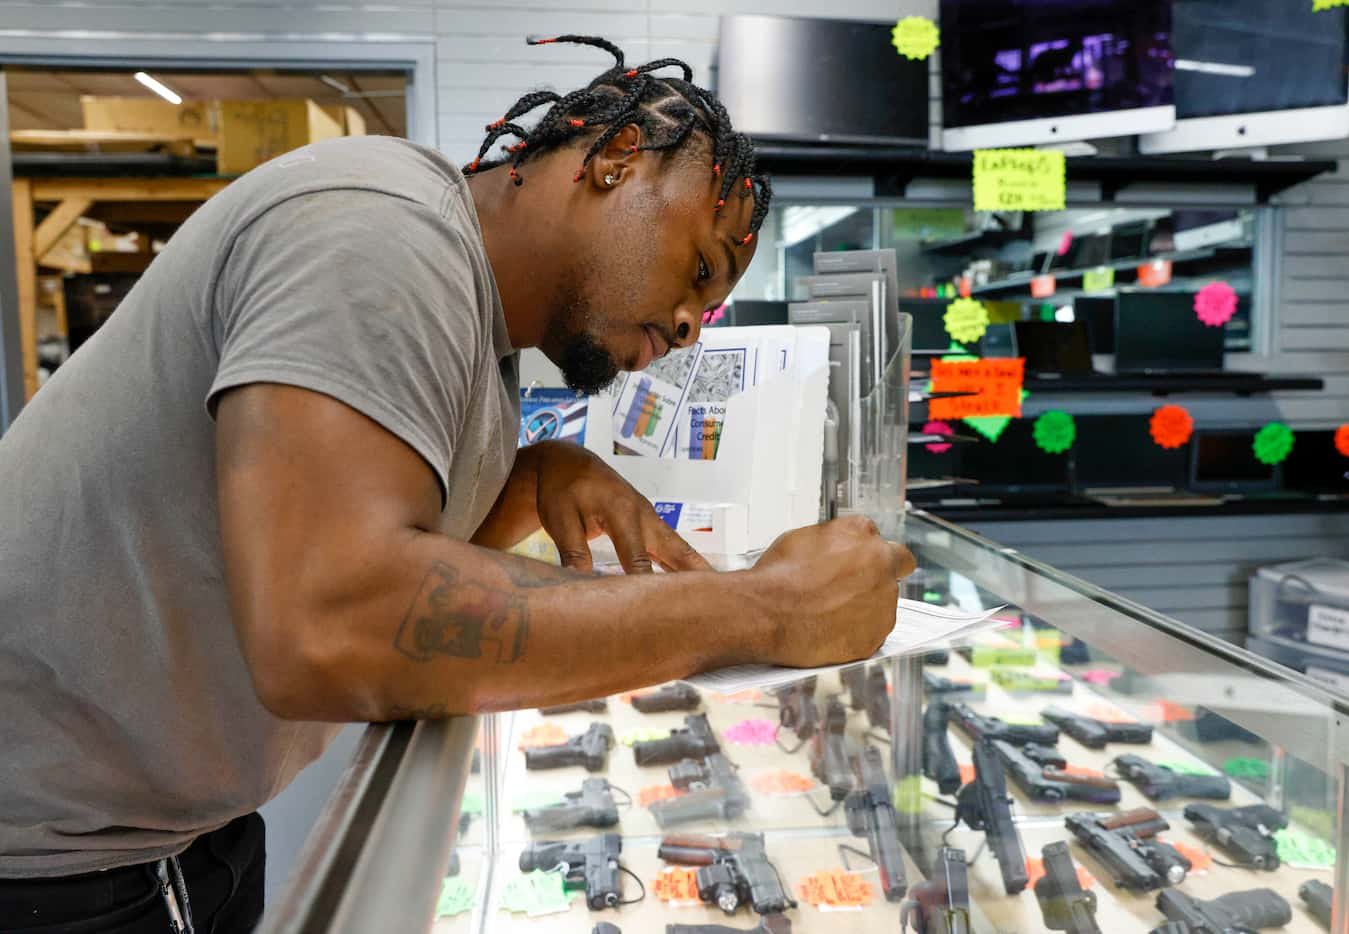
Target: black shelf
[967, 510]
[1174, 384]
[1019, 282]
[893, 168]
[984, 238]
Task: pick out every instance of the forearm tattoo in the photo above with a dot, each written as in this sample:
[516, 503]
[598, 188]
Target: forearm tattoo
[463, 619]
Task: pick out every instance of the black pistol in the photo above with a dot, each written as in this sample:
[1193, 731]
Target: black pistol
[1245, 834]
[977, 726]
[983, 804]
[829, 751]
[941, 905]
[713, 791]
[592, 806]
[674, 696]
[797, 711]
[590, 749]
[1046, 783]
[939, 763]
[1064, 904]
[1233, 913]
[871, 814]
[1160, 783]
[590, 864]
[732, 871]
[1095, 734]
[1319, 898]
[695, 740]
[1124, 844]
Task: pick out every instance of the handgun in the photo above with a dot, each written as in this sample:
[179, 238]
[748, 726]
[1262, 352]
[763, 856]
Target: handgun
[936, 684]
[941, 905]
[1045, 755]
[732, 870]
[695, 740]
[977, 726]
[983, 804]
[1123, 843]
[1233, 913]
[1246, 834]
[590, 864]
[592, 806]
[1320, 900]
[598, 705]
[871, 814]
[1093, 733]
[1042, 783]
[878, 699]
[713, 791]
[854, 679]
[939, 763]
[674, 696]
[1160, 783]
[796, 709]
[590, 749]
[768, 924]
[1064, 904]
[829, 751]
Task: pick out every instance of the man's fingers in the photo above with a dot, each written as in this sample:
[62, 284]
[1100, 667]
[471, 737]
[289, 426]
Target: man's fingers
[625, 530]
[904, 561]
[669, 548]
[568, 531]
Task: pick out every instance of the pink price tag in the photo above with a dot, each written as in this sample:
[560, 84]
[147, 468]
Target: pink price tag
[1215, 304]
[938, 428]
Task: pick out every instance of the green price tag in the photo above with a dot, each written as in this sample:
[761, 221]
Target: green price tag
[1299, 849]
[536, 893]
[1055, 432]
[1186, 768]
[908, 798]
[966, 320]
[471, 803]
[1319, 5]
[642, 735]
[1273, 443]
[1098, 279]
[1245, 767]
[1019, 180]
[455, 898]
[915, 37]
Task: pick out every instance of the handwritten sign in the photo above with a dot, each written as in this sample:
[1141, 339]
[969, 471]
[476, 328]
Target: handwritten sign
[915, 37]
[997, 384]
[966, 320]
[1215, 304]
[1019, 180]
[1098, 279]
[1171, 426]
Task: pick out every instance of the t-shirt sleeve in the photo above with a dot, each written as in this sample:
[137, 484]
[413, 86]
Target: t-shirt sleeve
[363, 296]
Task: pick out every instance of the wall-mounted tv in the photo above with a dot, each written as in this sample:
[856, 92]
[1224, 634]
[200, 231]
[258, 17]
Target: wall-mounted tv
[1250, 75]
[820, 80]
[1019, 72]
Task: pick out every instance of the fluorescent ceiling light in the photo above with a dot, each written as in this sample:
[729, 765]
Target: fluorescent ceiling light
[157, 87]
[1215, 68]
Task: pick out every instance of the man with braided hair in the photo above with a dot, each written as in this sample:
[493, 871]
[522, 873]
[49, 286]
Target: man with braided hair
[272, 493]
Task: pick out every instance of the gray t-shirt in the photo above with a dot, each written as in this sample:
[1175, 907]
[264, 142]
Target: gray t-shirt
[128, 721]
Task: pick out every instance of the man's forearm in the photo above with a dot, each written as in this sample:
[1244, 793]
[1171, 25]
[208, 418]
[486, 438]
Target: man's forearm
[457, 629]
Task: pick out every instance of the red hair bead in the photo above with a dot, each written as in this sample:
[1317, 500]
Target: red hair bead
[577, 122]
[630, 74]
[747, 240]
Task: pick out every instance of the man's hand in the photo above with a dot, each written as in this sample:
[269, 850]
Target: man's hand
[839, 585]
[580, 497]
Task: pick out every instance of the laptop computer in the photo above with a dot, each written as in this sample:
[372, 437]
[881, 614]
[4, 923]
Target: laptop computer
[929, 326]
[1014, 466]
[1098, 311]
[1315, 466]
[1159, 333]
[1116, 462]
[1223, 461]
[1054, 348]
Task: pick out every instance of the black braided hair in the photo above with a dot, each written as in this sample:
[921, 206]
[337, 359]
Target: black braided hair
[668, 111]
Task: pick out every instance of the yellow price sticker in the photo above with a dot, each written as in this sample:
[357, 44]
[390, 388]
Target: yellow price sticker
[1098, 279]
[1319, 5]
[966, 320]
[915, 37]
[1019, 180]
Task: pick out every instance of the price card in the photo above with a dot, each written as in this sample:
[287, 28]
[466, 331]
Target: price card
[1019, 180]
[997, 384]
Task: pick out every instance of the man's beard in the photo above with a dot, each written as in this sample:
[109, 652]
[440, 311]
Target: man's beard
[587, 367]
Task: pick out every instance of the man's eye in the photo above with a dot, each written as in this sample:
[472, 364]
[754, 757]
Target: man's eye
[703, 272]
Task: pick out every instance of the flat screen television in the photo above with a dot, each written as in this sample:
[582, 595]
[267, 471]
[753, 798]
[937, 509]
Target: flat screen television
[1253, 73]
[820, 80]
[1018, 72]
[1159, 332]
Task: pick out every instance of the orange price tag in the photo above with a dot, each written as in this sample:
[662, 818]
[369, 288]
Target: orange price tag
[997, 384]
[1035, 870]
[1154, 274]
[835, 888]
[545, 734]
[1043, 287]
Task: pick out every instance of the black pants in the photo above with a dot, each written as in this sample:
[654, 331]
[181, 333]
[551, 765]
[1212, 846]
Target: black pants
[224, 874]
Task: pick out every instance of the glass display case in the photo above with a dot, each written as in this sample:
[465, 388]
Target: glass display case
[1087, 765]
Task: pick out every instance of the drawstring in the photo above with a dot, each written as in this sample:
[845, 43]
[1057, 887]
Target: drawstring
[173, 887]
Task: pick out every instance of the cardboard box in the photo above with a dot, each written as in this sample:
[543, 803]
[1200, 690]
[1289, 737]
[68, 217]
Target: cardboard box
[195, 119]
[349, 118]
[251, 132]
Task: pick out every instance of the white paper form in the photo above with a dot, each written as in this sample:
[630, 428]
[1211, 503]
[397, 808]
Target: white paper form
[918, 626]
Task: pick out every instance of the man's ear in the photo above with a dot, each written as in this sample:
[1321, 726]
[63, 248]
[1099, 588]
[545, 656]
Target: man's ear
[615, 162]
